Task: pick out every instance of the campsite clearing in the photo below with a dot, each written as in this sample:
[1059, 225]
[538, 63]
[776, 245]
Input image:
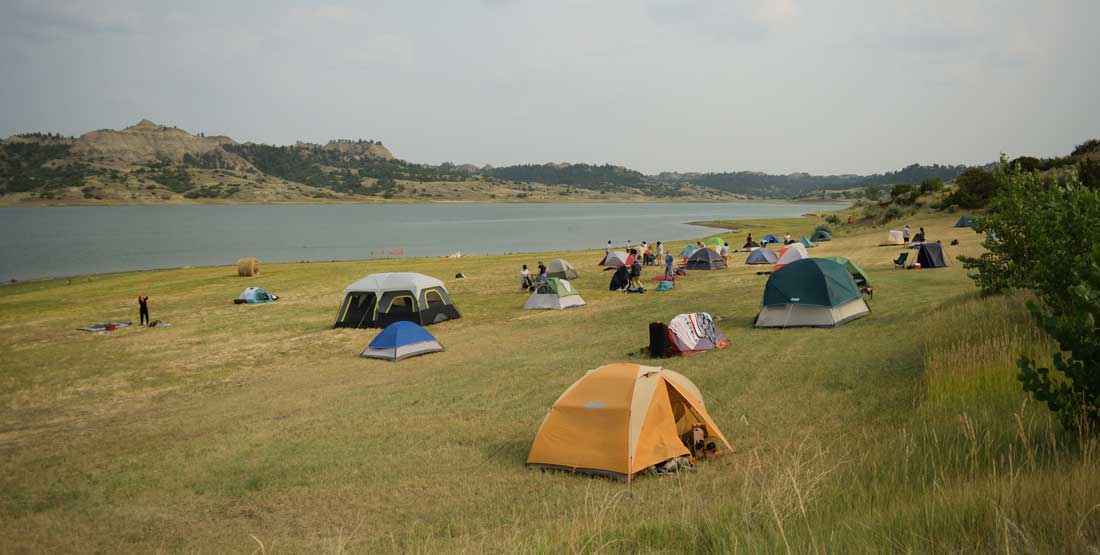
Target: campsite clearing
[902, 431]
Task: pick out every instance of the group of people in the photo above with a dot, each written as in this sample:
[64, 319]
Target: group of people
[651, 254]
[525, 275]
[919, 238]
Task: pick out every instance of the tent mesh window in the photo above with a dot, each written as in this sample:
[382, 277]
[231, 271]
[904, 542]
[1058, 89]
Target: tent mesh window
[360, 309]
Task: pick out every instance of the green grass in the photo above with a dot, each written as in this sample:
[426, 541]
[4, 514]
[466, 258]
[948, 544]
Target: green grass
[257, 428]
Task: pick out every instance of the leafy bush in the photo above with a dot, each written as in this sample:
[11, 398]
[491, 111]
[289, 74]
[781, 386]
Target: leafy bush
[976, 188]
[891, 213]
[931, 185]
[1088, 147]
[1045, 239]
[1088, 171]
[903, 193]
[831, 219]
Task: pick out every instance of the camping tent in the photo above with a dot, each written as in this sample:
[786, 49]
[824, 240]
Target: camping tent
[790, 253]
[402, 340]
[895, 238]
[617, 258]
[555, 294]
[769, 238]
[620, 279]
[761, 255]
[821, 235]
[806, 243]
[694, 333]
[561, 268]
[621, 419]
[813, 292]
[253, 295]
[858, 274]
[379, 300]
[965, 221]
[705, 259]
[931, 256]
[714, 243]
[688, 251]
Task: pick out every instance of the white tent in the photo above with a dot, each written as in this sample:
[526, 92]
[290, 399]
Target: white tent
[791, 253]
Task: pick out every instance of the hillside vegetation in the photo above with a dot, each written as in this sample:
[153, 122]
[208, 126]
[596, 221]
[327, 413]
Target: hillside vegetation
[151, 163]
[258, 429]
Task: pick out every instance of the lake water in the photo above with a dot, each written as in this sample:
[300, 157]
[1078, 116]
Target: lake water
[65, 241]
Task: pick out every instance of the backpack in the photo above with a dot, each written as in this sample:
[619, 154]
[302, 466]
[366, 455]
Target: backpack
[665, 285]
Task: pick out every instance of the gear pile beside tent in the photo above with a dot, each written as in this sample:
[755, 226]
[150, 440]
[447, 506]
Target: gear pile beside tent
[694, 333]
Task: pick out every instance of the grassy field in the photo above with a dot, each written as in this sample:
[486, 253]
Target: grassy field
[245, 429]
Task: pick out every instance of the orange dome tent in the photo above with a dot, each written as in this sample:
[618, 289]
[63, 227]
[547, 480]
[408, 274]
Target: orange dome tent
[621, 419]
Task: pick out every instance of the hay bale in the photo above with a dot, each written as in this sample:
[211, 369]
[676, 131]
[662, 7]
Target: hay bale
[248, 267]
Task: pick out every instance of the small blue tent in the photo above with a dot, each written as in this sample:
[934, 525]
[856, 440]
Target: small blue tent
[689, 250]
[769, 238]
[402, 340]
[253, 295]
[806, 243]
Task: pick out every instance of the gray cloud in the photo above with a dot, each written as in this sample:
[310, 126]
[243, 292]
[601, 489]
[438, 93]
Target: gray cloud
[772, 85]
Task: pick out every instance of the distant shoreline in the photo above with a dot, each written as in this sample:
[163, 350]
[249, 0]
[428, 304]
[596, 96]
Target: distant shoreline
[45, 203]
[723, 226]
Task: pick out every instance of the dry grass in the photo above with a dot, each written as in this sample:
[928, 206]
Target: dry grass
[257, 429]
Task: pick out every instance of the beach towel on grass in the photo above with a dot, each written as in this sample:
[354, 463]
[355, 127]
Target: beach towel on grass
[108, 326]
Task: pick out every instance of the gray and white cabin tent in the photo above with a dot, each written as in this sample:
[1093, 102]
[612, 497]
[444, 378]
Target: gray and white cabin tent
[561, 268]
[379, 300]
[762, 255]
[554, 294]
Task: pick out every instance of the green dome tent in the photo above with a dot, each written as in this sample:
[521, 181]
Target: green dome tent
[858, 274]
[714, 243]
[812, 292]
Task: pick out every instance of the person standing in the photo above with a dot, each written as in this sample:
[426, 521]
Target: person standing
[922, 239]
[628, 246]
[542, 272]
[905, 233]
[668, 265]
[525, 284]
[143, 309]
[725, 252]
[607, 250]
[636, 275]
[660, 250]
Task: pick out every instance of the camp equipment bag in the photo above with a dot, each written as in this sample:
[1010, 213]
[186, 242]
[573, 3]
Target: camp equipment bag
[658, 340]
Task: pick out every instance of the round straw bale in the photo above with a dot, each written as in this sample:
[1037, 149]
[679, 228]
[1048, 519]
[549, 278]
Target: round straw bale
[248, 267]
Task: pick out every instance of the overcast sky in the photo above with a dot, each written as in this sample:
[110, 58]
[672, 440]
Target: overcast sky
[845, 86]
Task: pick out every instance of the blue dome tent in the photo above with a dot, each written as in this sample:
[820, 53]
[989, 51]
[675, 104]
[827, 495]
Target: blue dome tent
[402, 340]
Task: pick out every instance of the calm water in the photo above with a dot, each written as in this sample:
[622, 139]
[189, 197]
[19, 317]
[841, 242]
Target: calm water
[67, 241]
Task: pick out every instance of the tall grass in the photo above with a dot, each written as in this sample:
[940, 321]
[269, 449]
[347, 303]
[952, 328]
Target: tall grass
[978, 468]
